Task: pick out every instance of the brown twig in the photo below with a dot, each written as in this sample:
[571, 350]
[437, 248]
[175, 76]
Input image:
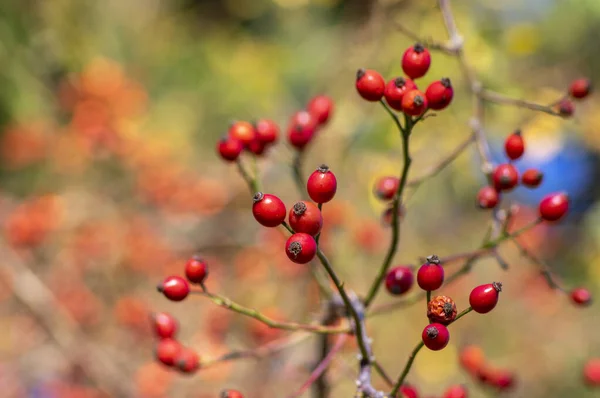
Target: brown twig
[66, 333]
[545, 269]
[498, 98]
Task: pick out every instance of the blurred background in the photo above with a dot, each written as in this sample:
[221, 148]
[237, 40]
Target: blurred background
[109, 181]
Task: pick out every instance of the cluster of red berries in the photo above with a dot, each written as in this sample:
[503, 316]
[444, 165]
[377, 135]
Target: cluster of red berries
[169, 351]
[176, 288]
[401, 93]
[441, 310]
[257, 137]
[473, 360]
[304, 124]
[455, 391]
[578, 89]
[505, 177]
[305, 218]
[246, 136]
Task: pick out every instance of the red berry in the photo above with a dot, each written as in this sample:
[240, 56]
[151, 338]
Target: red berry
[267, 131]
[484, 298]
[472, 358]
[321, 107]
[414, 103]
[554, 206]
[581, 296]
[488, 198]
[165, 325]
[431, 274]
[196, 270]
[386, 216]
[580, 88]
[435, 336]
[321, 185]
[505, 177]
[301, 248]
[399, 280]
[257, 147]
[167, 351]
[408, 391]
[369, 84]
[566, 108]
[501, 379]
[532, 178]
[187, 361]
[306, 217]
[395, 90]
[242, 131]
[386, 187]
[268, 209]
[457, 391]
[301, 129]
[439, 94]
[591, 372]
[416, 61]
[175, 288]
[230, 394]
[514, 146]
[229, 148]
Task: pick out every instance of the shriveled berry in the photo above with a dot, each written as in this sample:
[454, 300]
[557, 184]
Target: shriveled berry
[505, 177]
[414, 103]
[580, 88]
[408, 391]
[306, 217]
[484, 298]
[532, 178]
[439, 94]
[457, 391]
[488, 198]
[581, 296]
[566, 108]
[165, 325]
[554, 206]
[167, 351]
[441, 309]
[242, 131]
[301, 129]
[514, 145]
[416, 61]
[187, 361]
[267, 131]
[321, 185]
[301, 248]
[369, 84]
[196, 270]
[231, 394]
[175, 288]
[268, 209]
[229, 149]
[435, 336]
[395, 90]
[431, 274]
[591, 372]
[399, 280]
[386, 187]
[321, 107]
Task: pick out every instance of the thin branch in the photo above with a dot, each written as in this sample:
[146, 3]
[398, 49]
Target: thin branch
[443, 163]
[321, 367]
[65, 332]
[545, 269]
[250, 181]
[383, 373]
[263, 351]
[297, 173]
[406, 369]
[405, 131]
[252, 313]
[501, 99]
[429, 43]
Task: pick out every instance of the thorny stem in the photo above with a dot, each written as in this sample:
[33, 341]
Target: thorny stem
[252, 313]
[395, 206]
[406, 369]
[250, 181]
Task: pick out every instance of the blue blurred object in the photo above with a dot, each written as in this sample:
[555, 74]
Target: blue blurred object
[568, 165]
